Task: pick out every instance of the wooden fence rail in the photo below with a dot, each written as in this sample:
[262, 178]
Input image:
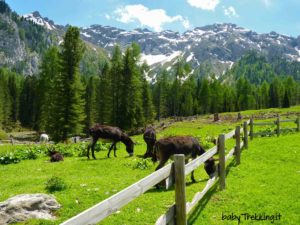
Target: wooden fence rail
[277, 122]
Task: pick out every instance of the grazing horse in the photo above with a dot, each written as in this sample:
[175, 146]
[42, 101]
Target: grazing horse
[111, 133]
[150, 139]
[44, 138]
[189, 146]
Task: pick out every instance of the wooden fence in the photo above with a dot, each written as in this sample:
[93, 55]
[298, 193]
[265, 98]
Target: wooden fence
[177, 213]
[277, 122]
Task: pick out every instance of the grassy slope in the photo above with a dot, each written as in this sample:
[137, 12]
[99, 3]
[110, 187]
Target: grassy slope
[267, 181]
[92, 181]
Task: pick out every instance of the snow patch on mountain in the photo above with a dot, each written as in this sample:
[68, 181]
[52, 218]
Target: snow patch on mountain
[85, 34]
[154, 59]
[36, 18]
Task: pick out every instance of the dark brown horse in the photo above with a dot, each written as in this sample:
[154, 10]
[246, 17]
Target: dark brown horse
[189, 146]
[150, 139]
[114, 134]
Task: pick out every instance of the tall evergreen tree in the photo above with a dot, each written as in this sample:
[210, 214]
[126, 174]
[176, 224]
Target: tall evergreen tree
[28, 102]
[50, 67]
[148, 108]
[68, 99]
[160, 95]
[91, 107]
[104, 99]
[286, 100]
[13, 90]
[264, 93]
[131, 93]
[116, 84]
[5, 104]
[275, 93]
[204, 96]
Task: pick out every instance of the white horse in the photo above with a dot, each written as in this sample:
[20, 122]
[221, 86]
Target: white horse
[44, 138]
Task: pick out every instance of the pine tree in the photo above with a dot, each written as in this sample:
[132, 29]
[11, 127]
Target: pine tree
[264, 92]
[4, 104]
[187, 95]
[13, 89]
[91, 107]
[68, 100]
[131, 100]
[286, 100]
[160, 95]
[50, 67]
[216, 96]
[148, 108]
[275, 93]
[204, 96]
[104, 99]
[28, 100]
[116, 84]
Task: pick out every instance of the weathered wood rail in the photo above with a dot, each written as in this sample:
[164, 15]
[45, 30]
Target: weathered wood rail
[277, 122]
[177, 213]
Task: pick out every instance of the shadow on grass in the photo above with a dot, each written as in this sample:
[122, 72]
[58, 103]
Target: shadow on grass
[196, 212]
[201, 205]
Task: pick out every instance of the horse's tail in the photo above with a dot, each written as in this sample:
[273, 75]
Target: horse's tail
[154, 156]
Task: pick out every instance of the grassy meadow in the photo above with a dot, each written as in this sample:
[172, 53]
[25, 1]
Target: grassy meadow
[266, 181]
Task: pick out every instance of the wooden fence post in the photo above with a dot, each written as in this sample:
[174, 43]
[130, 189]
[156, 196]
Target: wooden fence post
[221, 150]
[180, 202]
[278, 126]
[298, 124]
[251, 128]
[245, 135]
[238, 145]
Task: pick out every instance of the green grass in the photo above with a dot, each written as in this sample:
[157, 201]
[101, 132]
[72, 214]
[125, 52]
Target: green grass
[267, 181]
[91, 181]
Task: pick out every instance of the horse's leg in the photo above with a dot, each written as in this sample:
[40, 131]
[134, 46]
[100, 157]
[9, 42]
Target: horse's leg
[192, 177]
[115, 149]
[147, 151]
[110, 148]
[88, 151]
[93, 147]
[192, 174]
[160, 165]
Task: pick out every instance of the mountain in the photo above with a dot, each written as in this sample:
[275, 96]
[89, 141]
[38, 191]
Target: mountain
[218, 45]
[209, 49]
[21, 41]
[24, 39]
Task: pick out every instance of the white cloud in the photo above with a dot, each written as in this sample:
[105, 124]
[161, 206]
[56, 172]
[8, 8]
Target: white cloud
[230, 12]
[267, 3]
[204, 4]
[154, 18]
[108, 17]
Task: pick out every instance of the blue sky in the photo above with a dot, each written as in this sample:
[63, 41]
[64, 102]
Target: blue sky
[262, 16]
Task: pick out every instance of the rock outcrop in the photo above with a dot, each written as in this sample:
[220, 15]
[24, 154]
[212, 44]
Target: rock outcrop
[27, 206]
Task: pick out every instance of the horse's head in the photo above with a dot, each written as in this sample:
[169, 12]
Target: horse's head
[200, 150]
[129, 144]
[210, 167]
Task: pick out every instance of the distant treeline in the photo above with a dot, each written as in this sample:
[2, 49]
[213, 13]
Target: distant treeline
[63, 102]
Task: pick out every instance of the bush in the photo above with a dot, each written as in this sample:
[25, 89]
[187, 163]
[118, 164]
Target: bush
[143, 164]
[27, 154]
[9, 158]
[55, 184]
